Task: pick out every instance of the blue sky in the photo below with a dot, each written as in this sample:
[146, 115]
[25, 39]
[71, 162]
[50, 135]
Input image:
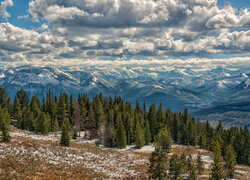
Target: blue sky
[66, 32]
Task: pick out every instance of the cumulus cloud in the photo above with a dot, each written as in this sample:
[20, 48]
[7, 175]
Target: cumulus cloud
[3, 12]
[78, 30]
[133, 13]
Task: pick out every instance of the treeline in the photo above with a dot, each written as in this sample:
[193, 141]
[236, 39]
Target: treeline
[117, 124]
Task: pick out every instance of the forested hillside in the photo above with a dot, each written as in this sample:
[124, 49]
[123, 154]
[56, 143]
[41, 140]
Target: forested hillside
[116, 123]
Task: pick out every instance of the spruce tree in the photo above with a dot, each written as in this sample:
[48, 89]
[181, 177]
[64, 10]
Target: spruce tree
[184, 163]
[55, 126]
[191, 168]
[121, 136]
[158, 163]
[147, 133]
[217, 171]
[23, 98]
[164, 139]
[5, 124]
[200, 165]
[230, 159]
[152, 121]
[65, 137]
[139, 136]
[3, 98]
[174, 167]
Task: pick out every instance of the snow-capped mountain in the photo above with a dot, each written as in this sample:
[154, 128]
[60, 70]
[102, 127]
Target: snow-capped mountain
[176, 89]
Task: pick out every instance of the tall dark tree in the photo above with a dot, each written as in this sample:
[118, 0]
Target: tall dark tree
[200, 165]
[121, 135]
[147, 133]
[65, 137]
[191, 169]
[23, 98]
[139, 136]
[164, 139]
[174, 167]
[158, 164]
[217, 169]
[230, 159]
[4, 124]
[152, 121]
[3, 98]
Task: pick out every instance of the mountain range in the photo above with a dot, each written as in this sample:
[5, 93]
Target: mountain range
[217, 94]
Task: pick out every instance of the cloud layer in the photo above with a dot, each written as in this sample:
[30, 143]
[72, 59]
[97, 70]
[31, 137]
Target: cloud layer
[4, 4]
[81, 30]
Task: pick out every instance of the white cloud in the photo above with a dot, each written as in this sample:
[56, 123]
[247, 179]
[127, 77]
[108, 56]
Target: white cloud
[3, 12]
[23, 17]
[77, 30]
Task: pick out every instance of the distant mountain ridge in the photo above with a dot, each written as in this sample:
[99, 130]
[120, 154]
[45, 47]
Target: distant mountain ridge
[176, 89]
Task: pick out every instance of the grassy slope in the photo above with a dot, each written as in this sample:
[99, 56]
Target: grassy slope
[30, 156]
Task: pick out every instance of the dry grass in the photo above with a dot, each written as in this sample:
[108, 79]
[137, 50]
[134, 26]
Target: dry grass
[37, 158]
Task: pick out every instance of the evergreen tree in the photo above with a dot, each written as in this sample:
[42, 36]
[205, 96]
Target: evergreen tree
[55, 126]
[184, 163]
[191, 169]
[147, 133]
[139, 136]
[23, 98]
[5, 124]
[9, 106]
[121, 136]
[217, 171]
[152, 121]
[65, 137]
[164, 139]
[230, 159]
[160, 118]
[3, 98]
[174, 167]
[158, 163]
[200, 165]
[28, 119]
[42, 123]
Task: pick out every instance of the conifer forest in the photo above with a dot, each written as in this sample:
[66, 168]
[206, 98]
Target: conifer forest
[114, 123]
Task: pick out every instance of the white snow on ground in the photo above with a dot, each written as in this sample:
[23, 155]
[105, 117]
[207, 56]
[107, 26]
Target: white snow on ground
[110, 164]
[242, 172]
[207, 159]
[49, 137]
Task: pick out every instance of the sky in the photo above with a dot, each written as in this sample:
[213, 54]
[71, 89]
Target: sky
[124, 32]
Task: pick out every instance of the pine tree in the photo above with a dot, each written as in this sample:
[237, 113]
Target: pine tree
[191, 169]
[152, 121]
[9, 106]
[217, 171]
[3, 98]
[147, 133]
[158, 163]
[28, 119]
[5, 124]
[230, 159]
[55, 126]
[164, 139]
[139, 136]
[121, 135]
[174, 167]
[42, 123]
[184, 163]
[200, 165]
[23, 98]
[65, 137]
